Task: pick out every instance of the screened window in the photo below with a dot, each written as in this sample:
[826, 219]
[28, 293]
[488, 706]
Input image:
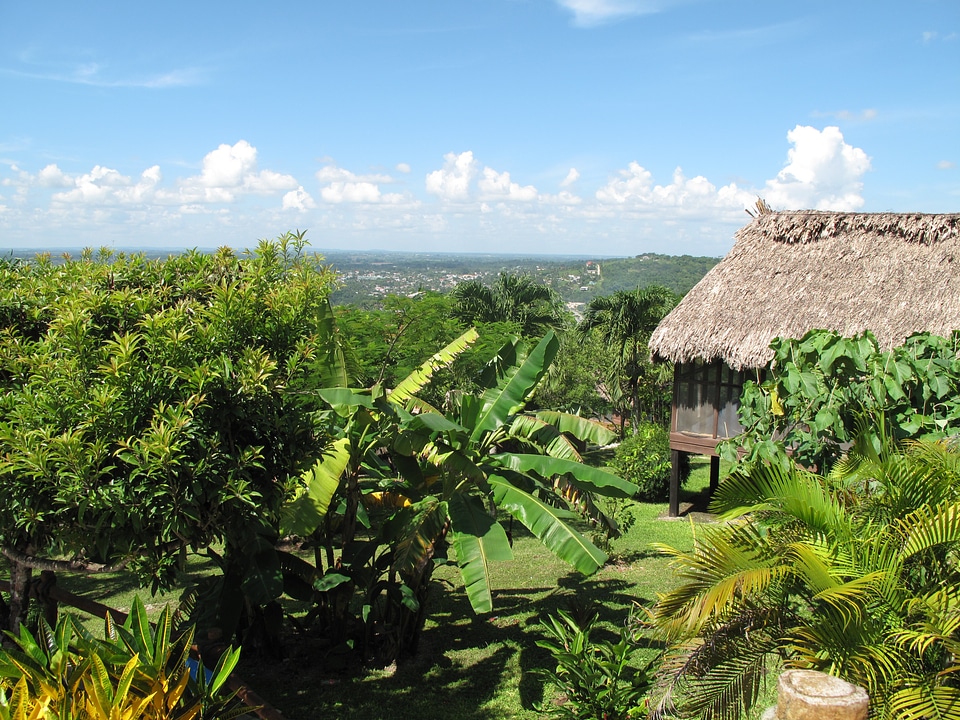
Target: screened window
[706, 398]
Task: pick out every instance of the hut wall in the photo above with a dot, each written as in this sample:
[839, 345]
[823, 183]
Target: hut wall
[706, 397]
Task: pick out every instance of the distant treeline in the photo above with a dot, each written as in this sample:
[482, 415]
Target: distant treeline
[367, 277]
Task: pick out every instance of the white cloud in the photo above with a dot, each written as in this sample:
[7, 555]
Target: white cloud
[498, 186]
[97, 186]
[588, 13]
[234, 167]
[634, 187]
[403, 168]
[332, 173]
[571, 178]
[452, 181]
[932, 36]
[361, 192]
[823, 172]
[344, 186]
[52, 176]
[946, 165]
[298, 199]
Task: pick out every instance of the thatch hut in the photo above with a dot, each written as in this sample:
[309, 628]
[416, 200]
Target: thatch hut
[791, 272]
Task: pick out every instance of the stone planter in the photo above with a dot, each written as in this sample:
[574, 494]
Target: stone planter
[813, 695]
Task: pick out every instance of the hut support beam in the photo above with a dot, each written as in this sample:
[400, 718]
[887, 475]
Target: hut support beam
[714, 473]
[674, 483]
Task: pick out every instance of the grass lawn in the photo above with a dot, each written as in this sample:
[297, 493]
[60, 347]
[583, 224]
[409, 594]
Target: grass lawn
[468, 667]
[481, 667]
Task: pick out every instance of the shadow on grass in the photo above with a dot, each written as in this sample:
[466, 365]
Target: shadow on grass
[468, 667]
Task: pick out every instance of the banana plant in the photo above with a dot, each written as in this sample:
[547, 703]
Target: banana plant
[449, 474]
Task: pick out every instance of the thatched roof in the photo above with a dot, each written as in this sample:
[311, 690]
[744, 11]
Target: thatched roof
[791, 272]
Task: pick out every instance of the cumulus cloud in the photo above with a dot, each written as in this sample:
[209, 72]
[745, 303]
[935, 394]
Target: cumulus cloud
[452, 181]
[588, 13]
[52, 176]
[97, 186]
[344, 186]
[226, 173]
[332, 173]
[298, 199]
[232, 169]
[634, 186]
[403, 168]
[499, 186]
[822, 172]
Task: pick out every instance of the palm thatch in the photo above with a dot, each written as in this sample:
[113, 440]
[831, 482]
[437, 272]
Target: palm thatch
[791, 272]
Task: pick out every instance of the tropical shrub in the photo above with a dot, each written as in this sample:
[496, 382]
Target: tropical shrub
[135, 671]
[597, 679]
[624, 322]
[824, 388]
[853, 573]
[148, 406]
[643, 458]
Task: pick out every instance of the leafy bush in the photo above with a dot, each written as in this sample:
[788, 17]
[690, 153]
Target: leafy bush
[135, 671]
[822, 389]
[595, 676]
[853, 573]
[644, 459]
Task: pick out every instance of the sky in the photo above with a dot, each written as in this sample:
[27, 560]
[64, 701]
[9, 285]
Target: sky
[575, 127]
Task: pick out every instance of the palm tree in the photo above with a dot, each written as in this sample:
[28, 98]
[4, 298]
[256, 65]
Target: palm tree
[854, 574]
[625, 321]
[535, 307]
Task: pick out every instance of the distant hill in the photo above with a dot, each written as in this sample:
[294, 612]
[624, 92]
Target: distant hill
[677, 272]
[368, 276]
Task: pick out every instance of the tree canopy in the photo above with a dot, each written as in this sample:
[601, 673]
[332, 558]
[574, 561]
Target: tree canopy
[152, 405]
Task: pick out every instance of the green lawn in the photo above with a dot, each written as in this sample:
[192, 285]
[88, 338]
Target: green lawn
[468, 667]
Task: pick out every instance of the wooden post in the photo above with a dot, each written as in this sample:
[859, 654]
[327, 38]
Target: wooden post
[674, 483]
[714, 473]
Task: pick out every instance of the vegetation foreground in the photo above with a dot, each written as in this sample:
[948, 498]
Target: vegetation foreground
[388, 535]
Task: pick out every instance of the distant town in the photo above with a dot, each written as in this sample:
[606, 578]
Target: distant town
[369, 276]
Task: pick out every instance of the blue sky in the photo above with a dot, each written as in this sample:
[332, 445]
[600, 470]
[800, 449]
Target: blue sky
[604, 127]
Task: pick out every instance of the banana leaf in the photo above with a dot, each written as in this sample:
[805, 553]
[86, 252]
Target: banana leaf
[415, 381]
[478, 540]
[501, 403]
[545, 521]
[303, 514]
[584, 476]
[581, 428]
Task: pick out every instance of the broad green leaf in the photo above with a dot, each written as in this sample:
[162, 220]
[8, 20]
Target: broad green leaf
[418, 379]
[546, 523]
[343, 400]
[433, 422]
[500, 403]
[581, 428]
[583, 476]
[333, 367]
[478, 540]
[330, 581]
[303, 514]
[544, 436]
